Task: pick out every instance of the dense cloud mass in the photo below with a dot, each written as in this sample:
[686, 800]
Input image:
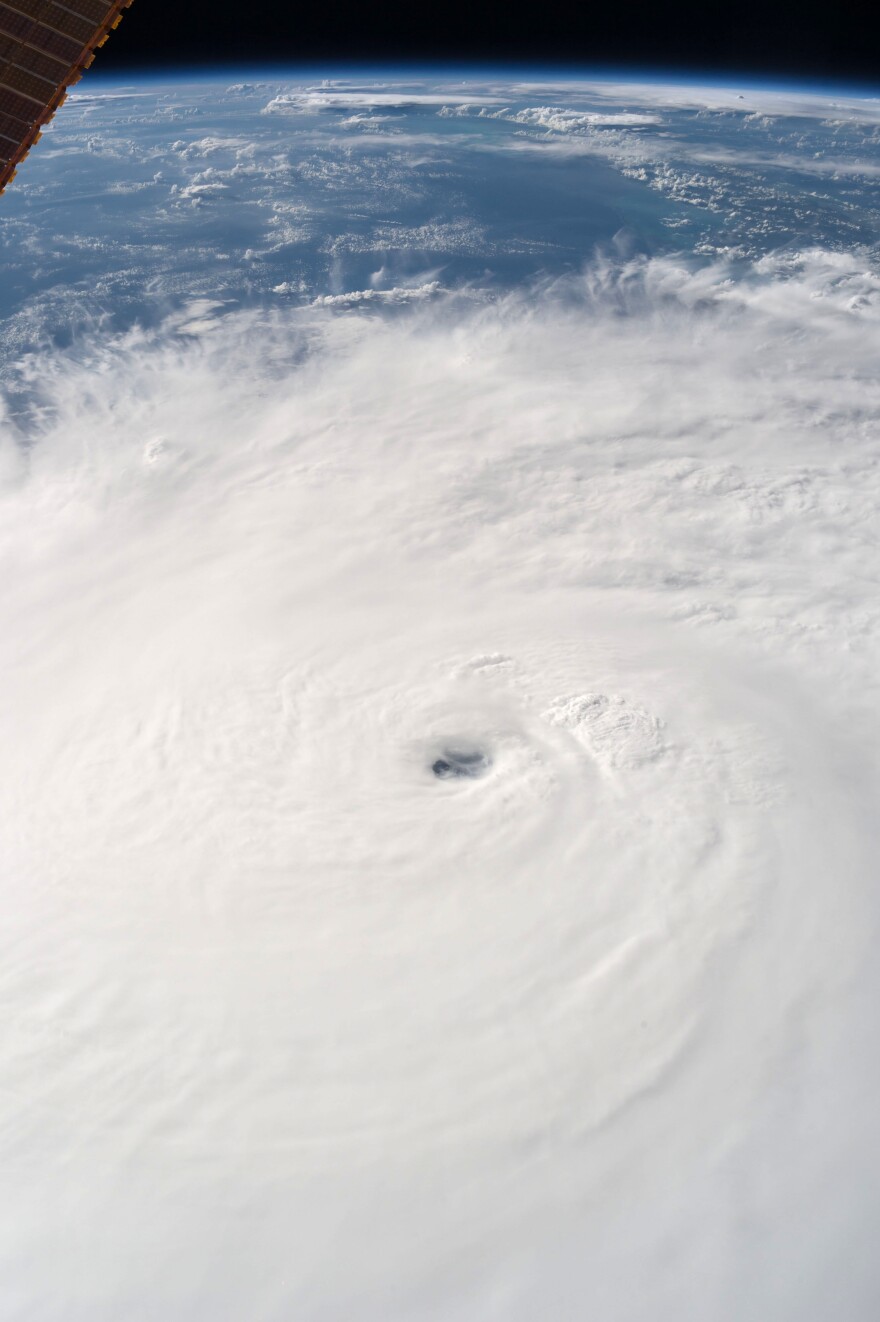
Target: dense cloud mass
[439, 782]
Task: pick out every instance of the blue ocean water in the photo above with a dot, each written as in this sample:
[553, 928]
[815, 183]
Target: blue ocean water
[288, 187]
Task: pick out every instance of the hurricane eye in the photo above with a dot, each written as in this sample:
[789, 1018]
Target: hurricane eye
[454, 764]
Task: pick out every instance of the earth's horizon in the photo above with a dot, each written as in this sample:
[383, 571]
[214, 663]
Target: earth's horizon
[439, 653]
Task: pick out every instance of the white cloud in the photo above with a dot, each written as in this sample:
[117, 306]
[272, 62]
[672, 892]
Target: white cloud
[745, 100]
[300, 102]
[803, 164]
[399, 294]
[570, 121]
[211, 145]
[197, 193]
[495, 1039]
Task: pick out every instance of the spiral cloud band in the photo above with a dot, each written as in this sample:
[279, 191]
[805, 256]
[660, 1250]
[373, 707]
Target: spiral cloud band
[579, 1024]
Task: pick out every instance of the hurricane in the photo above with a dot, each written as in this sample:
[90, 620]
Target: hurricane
[439, 763]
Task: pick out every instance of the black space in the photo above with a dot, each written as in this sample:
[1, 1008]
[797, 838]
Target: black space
[830, 42]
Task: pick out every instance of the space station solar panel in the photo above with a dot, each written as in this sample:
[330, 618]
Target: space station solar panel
[45, 45]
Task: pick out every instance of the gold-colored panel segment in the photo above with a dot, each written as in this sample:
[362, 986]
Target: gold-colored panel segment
[44, 48]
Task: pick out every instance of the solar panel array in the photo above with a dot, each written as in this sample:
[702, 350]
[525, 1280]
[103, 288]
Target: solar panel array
[45, 46]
